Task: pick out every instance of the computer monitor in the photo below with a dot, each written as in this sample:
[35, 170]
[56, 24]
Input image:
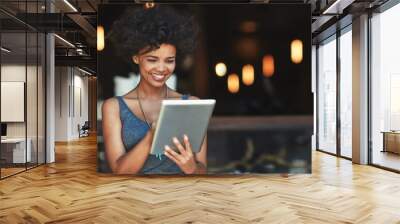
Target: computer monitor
[3, 130]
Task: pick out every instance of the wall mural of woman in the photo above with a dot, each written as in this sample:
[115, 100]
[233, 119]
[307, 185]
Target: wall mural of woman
[262, 121]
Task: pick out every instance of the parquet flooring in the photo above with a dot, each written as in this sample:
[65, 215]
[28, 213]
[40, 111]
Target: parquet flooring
[71, 191]
[10, 171]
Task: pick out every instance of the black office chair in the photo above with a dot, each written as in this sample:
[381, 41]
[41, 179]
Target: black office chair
[84, 130]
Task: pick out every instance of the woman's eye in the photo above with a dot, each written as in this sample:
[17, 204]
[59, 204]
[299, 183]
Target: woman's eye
[171, 61]
[151, 60]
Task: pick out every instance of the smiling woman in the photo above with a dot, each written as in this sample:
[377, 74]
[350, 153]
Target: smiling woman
[156, 66]
[152, 39]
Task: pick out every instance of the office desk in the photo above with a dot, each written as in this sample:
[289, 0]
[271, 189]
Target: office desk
[391, 141]
[13, 150]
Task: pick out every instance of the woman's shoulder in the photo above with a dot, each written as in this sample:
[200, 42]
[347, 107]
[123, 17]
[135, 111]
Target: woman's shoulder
[110, 105]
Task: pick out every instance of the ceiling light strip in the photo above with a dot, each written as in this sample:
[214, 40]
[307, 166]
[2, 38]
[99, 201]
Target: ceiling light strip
[5, 49]
[337, 7]
[64, 40]
[84, 71]
[70, 5]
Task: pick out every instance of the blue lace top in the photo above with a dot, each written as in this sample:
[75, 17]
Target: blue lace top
[133, 130]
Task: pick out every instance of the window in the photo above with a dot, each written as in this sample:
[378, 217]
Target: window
[346, 93]
[385, 88]
[327, 96]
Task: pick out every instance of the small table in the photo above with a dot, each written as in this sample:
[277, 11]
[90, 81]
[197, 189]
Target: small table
[13, 150]
[391, 141]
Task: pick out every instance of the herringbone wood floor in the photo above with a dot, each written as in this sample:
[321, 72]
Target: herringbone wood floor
[70, 191]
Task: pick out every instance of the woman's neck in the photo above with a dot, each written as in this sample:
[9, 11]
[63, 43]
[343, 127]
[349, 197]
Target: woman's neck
[151, 92]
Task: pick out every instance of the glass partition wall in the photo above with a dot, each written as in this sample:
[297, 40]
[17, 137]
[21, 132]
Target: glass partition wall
[334, 130]
[385, 89]
[334, 90]
[22, 93]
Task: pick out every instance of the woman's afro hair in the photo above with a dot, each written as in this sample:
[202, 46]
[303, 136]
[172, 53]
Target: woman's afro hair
[141, 29]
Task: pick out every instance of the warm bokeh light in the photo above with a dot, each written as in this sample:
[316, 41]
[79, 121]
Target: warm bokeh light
[248, 27]
[247, 47]
[248, 75]
[268, 66]
[149, 5]
[233, 83]
[296, 51]
[100, 38]
[220, 69]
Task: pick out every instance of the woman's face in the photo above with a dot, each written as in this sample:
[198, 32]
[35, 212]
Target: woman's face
[157, 66]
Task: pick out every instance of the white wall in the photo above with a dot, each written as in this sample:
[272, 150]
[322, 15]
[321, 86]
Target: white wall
[61, 103]
[71, 93]
[79, 117]
[16, 72]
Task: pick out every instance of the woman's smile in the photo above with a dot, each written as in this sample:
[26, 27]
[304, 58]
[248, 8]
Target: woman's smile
[158, 65]
[158, 77]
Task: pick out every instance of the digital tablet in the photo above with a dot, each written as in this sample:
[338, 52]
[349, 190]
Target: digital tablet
[179, 117]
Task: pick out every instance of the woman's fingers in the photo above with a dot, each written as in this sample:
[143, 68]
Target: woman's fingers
[185, 159]
[188, 147]
[167, 154]
[180, 147]
[177, 158]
